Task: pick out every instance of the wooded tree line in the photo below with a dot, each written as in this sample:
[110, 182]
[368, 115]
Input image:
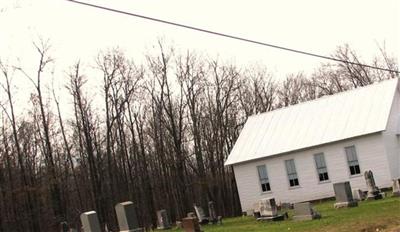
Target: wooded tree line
[159, 136]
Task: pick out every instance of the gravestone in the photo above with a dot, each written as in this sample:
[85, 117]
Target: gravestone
[268, 210]
[163, 220]
[304, 211]
[396, 187]
[200, 214]
[219, 220]
[191, 214]
[267, 207]
[64, 227]
[344, 196]
[212, 212]
[90, 222]
[126, 217]
[373, 190]
[73, 230]
[250, 212]
[190, 224]
[358, 195]
[179, 224]
[286, 205]
[256, 212]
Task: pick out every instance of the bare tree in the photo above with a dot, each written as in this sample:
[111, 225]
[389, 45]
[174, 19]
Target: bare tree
[11, 117]
[257, 91]
[191, 76]
[173, 116]
[159, 136]
[87, 127]
[55, 191]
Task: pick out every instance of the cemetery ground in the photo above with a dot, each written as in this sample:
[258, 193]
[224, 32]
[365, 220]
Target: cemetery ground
[370, 215]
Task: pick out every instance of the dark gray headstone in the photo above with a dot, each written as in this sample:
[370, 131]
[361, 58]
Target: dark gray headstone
[267, 207]
[126, 216]
[396, 187]
[358, 195]
[90, 222]
[64, 227]
[163, 220]
[212, 212]
[343, 194]
[304, 211]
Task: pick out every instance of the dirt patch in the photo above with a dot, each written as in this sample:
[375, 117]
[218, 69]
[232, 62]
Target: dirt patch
[389, 226]
[380, 228]
[373, 228]
[394, 229]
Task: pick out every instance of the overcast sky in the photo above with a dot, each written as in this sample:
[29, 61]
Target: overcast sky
[79, 32]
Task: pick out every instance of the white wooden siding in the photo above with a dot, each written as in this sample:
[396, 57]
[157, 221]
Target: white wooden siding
[370, 153]
[391, 139]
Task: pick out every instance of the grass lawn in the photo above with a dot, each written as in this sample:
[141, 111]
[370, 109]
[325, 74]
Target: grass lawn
[375, 215]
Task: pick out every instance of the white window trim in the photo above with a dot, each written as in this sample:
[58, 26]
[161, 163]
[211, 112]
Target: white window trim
[287, 175]
[259, 180]
[347, 162]
[325, 181]
[294, 187]
[326, 166]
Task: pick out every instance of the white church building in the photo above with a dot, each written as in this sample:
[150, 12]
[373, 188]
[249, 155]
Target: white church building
[296, 153]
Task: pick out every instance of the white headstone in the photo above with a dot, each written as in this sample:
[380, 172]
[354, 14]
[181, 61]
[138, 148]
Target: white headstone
[90, 222]
[200, 214]
[396, 187]
[267, 207]
[250, 212]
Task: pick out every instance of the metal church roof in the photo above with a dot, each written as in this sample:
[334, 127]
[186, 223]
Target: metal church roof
[324, 120]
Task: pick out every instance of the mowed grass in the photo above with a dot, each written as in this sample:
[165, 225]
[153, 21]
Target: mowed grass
[374, 215]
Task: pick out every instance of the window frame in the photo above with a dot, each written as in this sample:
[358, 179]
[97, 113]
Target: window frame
[262, 181]
[317, 169]
[351, 163]
[295, 181]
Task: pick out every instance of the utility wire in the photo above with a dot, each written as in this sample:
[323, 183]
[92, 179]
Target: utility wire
[231, 36]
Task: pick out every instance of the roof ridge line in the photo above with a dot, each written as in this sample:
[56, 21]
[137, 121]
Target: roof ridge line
[328, 96]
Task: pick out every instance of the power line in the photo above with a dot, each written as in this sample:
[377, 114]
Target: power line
[231, 36]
